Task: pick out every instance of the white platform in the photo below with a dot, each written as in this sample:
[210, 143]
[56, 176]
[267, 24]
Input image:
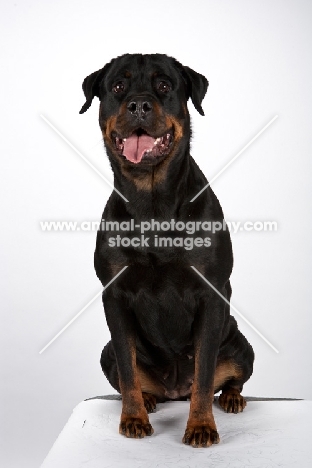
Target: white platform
[268, 434]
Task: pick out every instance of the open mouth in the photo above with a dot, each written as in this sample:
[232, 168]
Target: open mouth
[140, 145]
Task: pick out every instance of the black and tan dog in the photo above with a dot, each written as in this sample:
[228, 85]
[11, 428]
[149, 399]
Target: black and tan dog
[172, 336]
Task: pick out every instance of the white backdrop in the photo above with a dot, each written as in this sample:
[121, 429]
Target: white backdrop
[257, 57]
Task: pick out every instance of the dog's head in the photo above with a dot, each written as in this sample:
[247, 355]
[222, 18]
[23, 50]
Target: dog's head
[143, 106]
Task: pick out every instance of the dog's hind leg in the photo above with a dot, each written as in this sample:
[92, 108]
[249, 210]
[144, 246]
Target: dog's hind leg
[149, 402]
[232, 373]
[152, 391]
[228, 378]
[109, 365]
[234, 365]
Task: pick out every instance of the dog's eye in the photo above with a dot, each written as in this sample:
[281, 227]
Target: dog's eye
[163, 87]
[118, 87]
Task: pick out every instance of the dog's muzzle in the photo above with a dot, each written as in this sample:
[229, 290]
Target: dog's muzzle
[141, 145]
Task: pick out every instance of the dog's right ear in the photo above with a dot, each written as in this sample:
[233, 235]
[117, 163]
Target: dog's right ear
[91, 87]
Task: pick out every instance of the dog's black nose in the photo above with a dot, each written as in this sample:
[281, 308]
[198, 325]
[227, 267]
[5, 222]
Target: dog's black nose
[139, 107]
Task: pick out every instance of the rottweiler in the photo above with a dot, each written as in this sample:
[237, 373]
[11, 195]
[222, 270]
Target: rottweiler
[172, 335]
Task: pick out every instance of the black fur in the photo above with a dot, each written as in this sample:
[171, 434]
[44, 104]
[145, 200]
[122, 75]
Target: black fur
[159, 310]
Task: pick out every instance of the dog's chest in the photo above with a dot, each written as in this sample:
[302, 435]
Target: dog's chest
[164, 311]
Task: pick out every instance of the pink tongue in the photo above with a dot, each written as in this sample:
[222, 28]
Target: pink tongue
[135, 146]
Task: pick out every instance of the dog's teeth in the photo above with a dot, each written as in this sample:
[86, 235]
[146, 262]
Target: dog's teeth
[157, 140]
[124, 139]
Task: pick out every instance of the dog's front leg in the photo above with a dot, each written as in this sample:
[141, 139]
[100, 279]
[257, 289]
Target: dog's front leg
[201, 429]
[134, 420]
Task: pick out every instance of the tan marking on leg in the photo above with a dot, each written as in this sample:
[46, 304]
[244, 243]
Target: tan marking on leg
[134, 420]
[149, 402]
[149, 385]
[230, 399]
[225, 371]
[201, 430]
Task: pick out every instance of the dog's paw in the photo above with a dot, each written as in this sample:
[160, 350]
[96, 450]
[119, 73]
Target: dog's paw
[200, 435]
[135, 428]
[232, 401]
[149, 402]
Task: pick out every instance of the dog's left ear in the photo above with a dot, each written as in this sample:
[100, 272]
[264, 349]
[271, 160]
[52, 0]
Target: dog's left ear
[197, 85]
[91, 87]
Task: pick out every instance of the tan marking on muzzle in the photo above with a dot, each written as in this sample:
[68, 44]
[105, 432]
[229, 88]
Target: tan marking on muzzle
[145, 182]
[158, 175]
